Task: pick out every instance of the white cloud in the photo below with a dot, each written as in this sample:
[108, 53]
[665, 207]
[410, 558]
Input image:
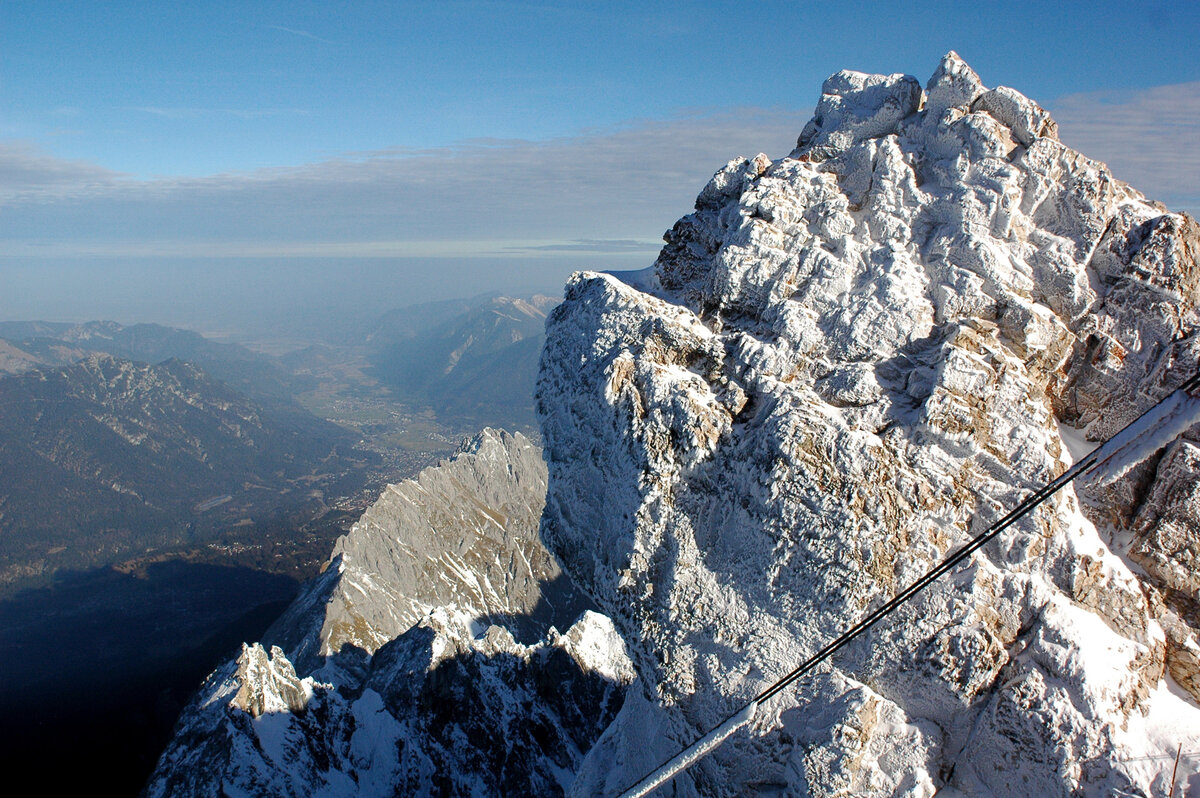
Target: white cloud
[30, 176]
[395, 248]
[595, 193]
[285, 247]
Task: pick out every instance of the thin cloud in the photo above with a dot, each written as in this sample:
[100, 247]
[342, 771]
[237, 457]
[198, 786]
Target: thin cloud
[29, 176]
[592, 245]
[604, 193]
[302, 33]
[590, 194]
[1150, 138]
[194, 113]
[382, 249]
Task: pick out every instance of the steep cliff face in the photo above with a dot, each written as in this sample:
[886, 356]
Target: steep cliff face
[842, 364]
[462, 534]
[409, 677]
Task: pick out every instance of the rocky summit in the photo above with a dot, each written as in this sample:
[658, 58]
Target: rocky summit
[843, 364]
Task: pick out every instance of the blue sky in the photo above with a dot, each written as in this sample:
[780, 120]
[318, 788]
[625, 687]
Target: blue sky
[196, 88]
[502, 143]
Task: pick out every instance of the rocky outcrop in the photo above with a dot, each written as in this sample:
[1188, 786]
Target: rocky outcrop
[440, 710]
[267, 683]
[843, 364]
[410, 676]
[462, 534]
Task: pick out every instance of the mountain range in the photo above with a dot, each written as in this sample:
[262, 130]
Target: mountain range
[106, 458]
[478, 365]
[843, 365]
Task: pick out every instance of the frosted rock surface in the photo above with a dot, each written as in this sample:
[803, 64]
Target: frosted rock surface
[855, 106]
[842, 365]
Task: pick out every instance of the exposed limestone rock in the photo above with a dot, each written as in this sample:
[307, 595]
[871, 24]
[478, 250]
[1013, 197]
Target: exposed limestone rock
[267, 683]
[414, 681]
[843, 364]
[462, 533]
[1183, 652]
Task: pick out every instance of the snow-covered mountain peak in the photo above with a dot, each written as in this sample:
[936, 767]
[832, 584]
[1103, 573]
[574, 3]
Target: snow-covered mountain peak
[953, 85]
[841, 365]
[855, 106]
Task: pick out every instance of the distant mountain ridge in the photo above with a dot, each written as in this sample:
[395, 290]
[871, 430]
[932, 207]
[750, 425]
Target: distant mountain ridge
[479, 364]
[148, 343]
[473, 361]
[59, 344]
[117, 456]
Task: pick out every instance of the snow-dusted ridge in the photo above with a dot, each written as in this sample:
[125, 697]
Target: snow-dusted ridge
[426, 657]
[845, 363]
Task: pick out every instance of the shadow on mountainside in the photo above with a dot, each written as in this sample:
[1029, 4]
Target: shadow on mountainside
[443, 709]
[559, 605]
[526, 721]
[98, 666]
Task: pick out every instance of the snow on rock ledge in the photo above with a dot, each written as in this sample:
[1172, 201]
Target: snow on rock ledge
[842, 364]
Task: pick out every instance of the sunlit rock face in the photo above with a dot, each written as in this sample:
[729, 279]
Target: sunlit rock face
[842, 365]
[464, 533]
[428, 657]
